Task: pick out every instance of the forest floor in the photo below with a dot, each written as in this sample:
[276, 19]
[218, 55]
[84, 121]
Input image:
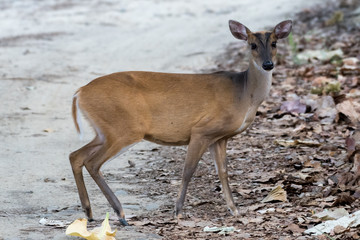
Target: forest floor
[305, 139]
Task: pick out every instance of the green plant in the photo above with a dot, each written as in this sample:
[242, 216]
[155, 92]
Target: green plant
[293, 48]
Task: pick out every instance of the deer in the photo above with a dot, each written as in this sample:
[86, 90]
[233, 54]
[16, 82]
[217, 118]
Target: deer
[202, 111]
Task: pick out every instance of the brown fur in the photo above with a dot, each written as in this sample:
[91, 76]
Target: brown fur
[264, 50]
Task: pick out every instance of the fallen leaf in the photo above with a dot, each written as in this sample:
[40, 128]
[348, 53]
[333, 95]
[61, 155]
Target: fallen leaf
[268, 210]
[309, 143]
[350, 145]
[321, 55]
[352, 220]
[220, 230]
[350, 66]
[141, 223]
[299, 128]
[343, 199]
[203, 224]
[291, 143]
[352, 61]
[312, 164]
[257, 220]
[255, 207]
[266, 177]
[354, 93]
[190, 224]
[356, 167]
[285, 143]
[331, 214]
[294, 106]
[79, 229]
[245, 221]
[54, 223]
[326, 110]
[294, 228]
[320, 81]
[347, 108]
[304, 176]
[277, 194]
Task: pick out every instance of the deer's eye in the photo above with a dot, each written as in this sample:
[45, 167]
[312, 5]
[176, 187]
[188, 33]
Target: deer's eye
[253, 46]
[273, 44]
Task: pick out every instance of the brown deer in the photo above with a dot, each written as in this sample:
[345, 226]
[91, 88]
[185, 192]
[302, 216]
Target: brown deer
[199, 110]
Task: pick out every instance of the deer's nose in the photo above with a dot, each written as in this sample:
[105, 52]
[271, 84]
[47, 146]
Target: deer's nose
[268, 65]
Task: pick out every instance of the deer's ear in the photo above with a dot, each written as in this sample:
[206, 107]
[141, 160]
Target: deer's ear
[238, 30]
[283, 29]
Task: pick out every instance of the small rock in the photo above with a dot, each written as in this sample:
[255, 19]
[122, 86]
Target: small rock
[48, 130]
[49, 180]
[131, 164]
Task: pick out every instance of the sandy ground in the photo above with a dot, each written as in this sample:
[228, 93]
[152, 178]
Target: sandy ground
[50, 48]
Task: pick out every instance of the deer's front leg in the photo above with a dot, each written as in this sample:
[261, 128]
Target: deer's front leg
[218, 150]
[196, 149]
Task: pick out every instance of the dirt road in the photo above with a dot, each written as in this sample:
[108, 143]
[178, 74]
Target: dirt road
[50, 48]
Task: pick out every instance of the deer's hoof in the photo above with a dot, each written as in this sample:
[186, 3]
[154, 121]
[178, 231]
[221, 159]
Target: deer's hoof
[235, 212]
[123, 222]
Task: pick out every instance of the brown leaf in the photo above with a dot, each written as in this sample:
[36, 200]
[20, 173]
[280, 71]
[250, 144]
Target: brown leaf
[350, 145]
[356, 167]
[256, 220]
[190, 224]
[141, 223]
[294, 228]
[354, 93]
[351, 61]
[343, 199]
[357, 193]
[266, 178]
[299, 128]
[277, 194]
[347, 108]
[312, 164]
[344, 179]
[291, 143]
[320, 81]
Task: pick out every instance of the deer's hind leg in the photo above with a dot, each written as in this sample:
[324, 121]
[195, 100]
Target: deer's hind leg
[77, 159]
[106, 151]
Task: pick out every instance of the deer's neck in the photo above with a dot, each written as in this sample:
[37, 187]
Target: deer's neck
[258, 82]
